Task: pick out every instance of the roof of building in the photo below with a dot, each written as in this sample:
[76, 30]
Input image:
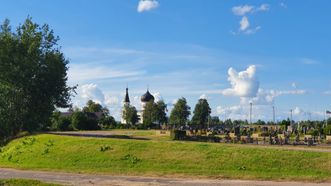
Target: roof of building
[127, 99]
[147, 97]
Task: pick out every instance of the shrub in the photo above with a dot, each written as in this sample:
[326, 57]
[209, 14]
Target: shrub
[79, 120]
[178, 134]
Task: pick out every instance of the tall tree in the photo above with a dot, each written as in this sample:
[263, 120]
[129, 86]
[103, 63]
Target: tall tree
[34, 70]
[180, 113]
[201, 113]
[130, 114]
[149, 113]
[160, 114]
[154, 113]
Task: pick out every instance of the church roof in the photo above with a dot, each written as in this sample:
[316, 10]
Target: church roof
[127, 99]
[147, 97]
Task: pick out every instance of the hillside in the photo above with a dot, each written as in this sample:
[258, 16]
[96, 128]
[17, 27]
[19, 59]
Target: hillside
[164, 158]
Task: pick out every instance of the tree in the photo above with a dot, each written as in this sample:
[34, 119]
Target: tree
[79, 120]
[154, 113]
[108, 122]
[92, 106]
[149, 114]
[160, 114]
[130, 114]
[180, 113]
[201, 113]
[33, 74]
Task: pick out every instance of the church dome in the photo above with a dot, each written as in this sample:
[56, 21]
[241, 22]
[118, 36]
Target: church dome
[147, 97]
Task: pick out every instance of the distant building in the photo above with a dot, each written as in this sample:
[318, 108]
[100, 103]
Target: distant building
[145, 98]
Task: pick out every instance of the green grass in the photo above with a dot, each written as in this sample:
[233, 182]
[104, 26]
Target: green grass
[23, 182]
[164, 158]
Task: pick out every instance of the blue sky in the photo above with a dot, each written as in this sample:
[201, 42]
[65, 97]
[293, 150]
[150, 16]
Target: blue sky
[231, 52]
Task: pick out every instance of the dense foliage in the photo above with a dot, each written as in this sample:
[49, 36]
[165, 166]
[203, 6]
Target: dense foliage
[130, 114]
[154, 113]
[33, 78]
[180, 113]
[201, 113]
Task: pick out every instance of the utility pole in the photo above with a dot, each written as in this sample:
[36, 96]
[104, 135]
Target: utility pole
[250, 112]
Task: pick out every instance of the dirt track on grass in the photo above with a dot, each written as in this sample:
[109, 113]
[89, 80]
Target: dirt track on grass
[103, 180]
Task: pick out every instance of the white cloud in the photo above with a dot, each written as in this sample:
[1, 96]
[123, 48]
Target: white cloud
[147, 5]
[203, 96]
[246, 9]
[157, 96]
[263, 8]
[294, 85]
[267, 97]
[298, 111]
[111, 100]
[242, 10]
[92, 92]
[244, 83]
[328, 92]
[244, 23]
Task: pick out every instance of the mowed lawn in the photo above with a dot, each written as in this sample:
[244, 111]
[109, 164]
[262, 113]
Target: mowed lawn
[164, 158]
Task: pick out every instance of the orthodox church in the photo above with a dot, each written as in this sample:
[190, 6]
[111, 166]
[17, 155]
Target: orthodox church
[145, 98]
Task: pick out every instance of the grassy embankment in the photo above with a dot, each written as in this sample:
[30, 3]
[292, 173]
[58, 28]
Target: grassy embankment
[164, 158]
[21, 182]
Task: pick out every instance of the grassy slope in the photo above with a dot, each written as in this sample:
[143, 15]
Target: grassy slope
[160, 158]
[20, 182]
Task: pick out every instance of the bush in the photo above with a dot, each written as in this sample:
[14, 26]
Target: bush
[178, 134]
[108, 122]
[62, 124]
[79, 120]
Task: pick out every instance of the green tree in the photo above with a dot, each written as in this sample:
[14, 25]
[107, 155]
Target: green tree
[92, 106]
[130, 114]
[33, 74]
[201, 113]
[149, 114]
[79, 120]
[160, 114]
[107, 122]
[180, 113]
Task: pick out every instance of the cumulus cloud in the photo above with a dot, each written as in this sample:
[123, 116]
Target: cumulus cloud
[246, 86]
[244, 23]
[247, 9]
[147, 5]
[243, 84]
[242, 10]
[92, 92]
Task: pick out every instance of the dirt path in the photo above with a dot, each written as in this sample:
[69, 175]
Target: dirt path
[88, 179]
